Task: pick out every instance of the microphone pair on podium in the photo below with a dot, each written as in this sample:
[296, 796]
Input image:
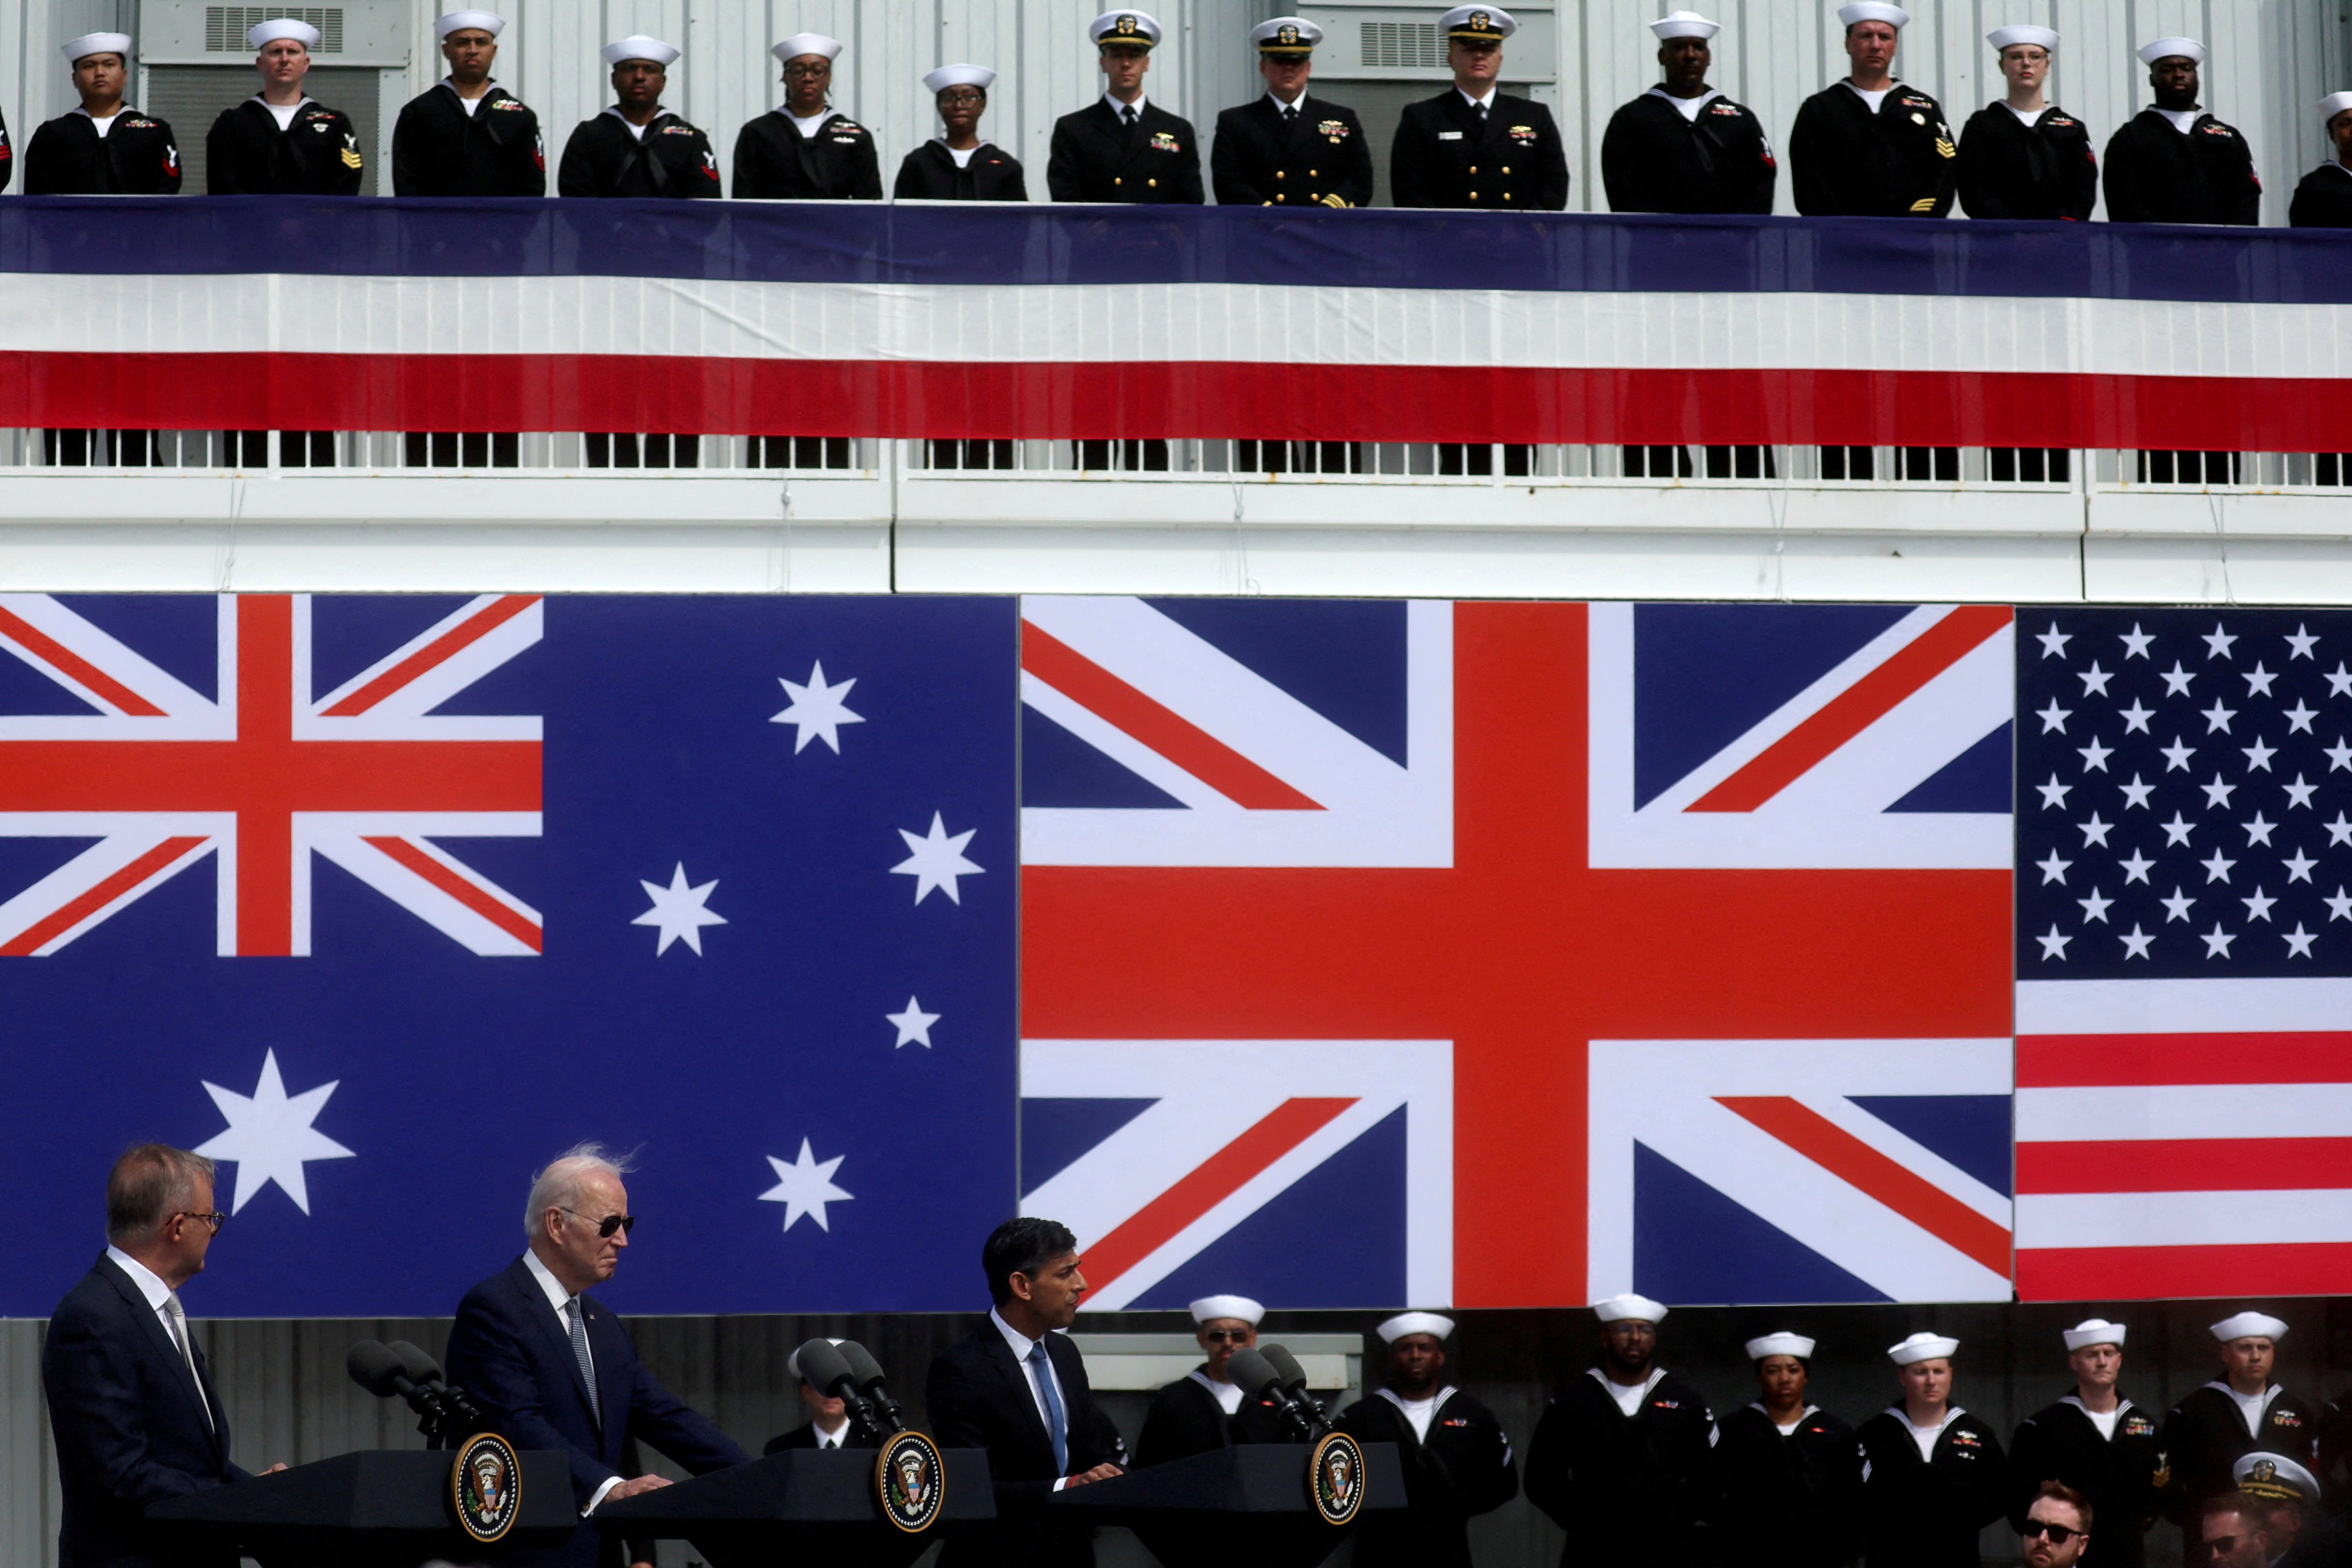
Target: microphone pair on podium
[845, 1371]
[1272, 1373]
[446, 1417]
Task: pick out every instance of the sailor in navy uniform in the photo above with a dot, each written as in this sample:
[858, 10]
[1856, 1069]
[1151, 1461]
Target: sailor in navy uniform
[2173, 162]
[282, 141]
[1289, 147]
[1620, 1458]
[808, 150]
[1456, 1456]
[1871, 146]
[1474, 145]
[2097, 1442]
[105, 147]
[1205, 1410]
[468, 136]
[1787, 1477]
[2025, 157]
[1932, 1474]
[957, 166]
[1121, 147]
[2301, 1533]
[635, 147]
[2239, 1413]
[2323, 197]
[1682, 147]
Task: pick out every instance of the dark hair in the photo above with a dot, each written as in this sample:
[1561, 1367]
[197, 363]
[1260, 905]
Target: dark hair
[2245, 1505]
[2059, 1491]
[1020, 1246]
[146, 1186]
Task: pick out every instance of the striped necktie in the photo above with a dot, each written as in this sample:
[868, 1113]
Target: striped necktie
[580, 1354]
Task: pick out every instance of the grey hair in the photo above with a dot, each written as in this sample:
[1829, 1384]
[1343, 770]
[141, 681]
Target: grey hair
[147, 1186]
[558, 1185]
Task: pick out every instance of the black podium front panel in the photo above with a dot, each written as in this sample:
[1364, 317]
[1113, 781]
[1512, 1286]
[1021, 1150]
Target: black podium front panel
[375, 1509]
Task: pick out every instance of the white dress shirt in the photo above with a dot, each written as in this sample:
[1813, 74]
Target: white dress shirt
[832, 1439]
[561, 1299]
[1020, 1344]
[1120, 110]
[161, 1298]
[1481, 104]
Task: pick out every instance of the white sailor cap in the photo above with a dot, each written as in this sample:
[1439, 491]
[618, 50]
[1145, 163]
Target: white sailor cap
[1126, 29]
[1479, 24]
[76, 49]
[1685, 25]
[2276, 1476]
[1781, 1343]
[265, 33]
[1873, 11]
[2095, 1331]
[938, 82]
[801, 43]
[2001, 38]
[2164, 48]
[2334, 104]
[1922, 1346]
[638, 46]
[2249, 1326]
[1630, 1308]
[1404, 1323]
[490, 22]
[1241, 1307]
[1292, 38]
[791, 1361]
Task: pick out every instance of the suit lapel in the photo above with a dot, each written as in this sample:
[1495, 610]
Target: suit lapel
[607, 1348]
[551, 1323]
[1001, 1355]
[159, 1341]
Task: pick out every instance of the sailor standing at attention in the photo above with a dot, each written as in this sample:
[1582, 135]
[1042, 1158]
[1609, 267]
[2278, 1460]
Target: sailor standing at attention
[2025, 157]
[1871, 146]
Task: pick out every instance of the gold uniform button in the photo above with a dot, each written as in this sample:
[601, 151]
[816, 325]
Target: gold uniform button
[1506, 168]
[1314, 173]
[1278, 175]
[1474, 168]
[1279, 197]
[1152, 183]
[1474, 196]
[1117, 181]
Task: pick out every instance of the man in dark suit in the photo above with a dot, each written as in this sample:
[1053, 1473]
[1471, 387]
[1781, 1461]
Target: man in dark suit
[1289, 148]
[131, 1403]
[827, 1426]
[1475, 145]
[553, 1369]
[1121, 148]
[1018, 1389]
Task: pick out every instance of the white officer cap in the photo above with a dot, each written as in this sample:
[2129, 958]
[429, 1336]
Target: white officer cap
[2095, 1331]
[2249, 1326]
[1404, 1323]
[1286, 38]
[1685, 25]
[265, 33]
[1781, 1343]
[1630, 1308]
[76, 49]
[2164, 48]
[2334, 104]
[638, 46]
[938, 82]
[1872, 11]
[490, 22]
[2276, 1476]
[2001, 38]
[1241, 1307]
[1129, 29]
[1479, 24]
[801, 43]
[791, 1361]
[1922, 1346]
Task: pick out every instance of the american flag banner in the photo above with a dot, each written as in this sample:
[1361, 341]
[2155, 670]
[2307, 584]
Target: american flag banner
[2184, 1000]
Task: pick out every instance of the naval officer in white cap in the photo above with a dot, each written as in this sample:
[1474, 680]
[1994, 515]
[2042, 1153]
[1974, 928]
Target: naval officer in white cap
[467, 135]
[104, 147]
[635, 147]
[2097, 1442]
[1475, 145]
[1788, 1475]
[1619, 1455]
[2173, 162]
[1204, 1409]
[2024, 157]
[957, 166]
[808, 150]
[1122, 147]
[1873, 146]
[282, 141]
[2323, 197]
[1682, 147]
[1932, 1474]
[1289, 147]
[1456, 1456]
[2241, 1412]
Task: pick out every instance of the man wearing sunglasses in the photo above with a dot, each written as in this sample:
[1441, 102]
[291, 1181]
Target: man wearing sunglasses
[2235, 1531]
[1205, 1410]
[2057, 1527]
[554, 1369]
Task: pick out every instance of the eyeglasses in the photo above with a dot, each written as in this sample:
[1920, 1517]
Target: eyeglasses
[823, 67]
[2056, 1535]
[960, 100]
[213, 1219]
[624, 1223]
[1227, 1336]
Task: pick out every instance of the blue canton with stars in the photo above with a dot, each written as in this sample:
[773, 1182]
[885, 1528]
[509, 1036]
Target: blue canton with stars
[2184, 794]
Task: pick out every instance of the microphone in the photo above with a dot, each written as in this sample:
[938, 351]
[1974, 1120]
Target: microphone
[379, 1369]
[823, 1369]
[1258, 1377]
[1294, 1380]
[867, 1373]
[423, 1370]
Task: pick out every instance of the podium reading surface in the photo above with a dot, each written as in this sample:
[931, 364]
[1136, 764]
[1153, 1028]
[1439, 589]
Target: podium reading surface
[1245, 1504]
[821, 1501]
[378, 1508]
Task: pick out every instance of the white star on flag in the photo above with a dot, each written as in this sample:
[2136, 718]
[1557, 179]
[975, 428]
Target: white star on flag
[269, 1136]
[679, 910]
[914, 1024]
[937, 860]
[817, 711]
[805, 1187]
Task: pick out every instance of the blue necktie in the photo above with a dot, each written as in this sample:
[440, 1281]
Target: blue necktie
[1057, 1425]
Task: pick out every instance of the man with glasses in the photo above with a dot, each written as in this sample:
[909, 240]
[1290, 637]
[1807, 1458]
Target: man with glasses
[807, 151]
[2057, 1528]
[554, 1369]
[131, 1403]
[2235, 1531]
[1204, 1409]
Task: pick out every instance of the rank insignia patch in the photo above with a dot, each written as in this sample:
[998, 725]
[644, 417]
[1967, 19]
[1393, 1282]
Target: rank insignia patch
[1165, 142]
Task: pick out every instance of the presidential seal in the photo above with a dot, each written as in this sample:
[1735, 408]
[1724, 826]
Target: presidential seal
[485, 1486]
[910, 1481]
[1335, 1479]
